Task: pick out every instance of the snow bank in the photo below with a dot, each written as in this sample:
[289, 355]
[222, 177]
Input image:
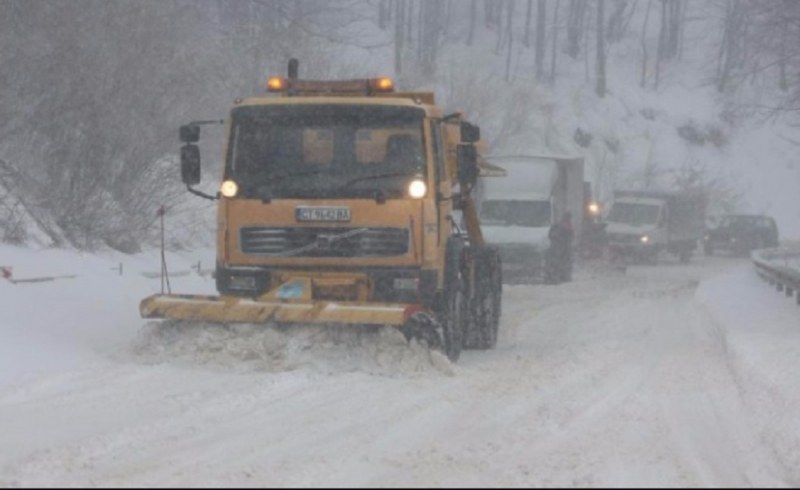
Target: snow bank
[760, 329]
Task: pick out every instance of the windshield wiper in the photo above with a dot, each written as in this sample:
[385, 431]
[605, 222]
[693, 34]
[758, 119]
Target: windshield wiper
[280, 177]
[374, 177]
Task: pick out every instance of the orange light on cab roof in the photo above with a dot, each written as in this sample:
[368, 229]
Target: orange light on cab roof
[383, 84]
[276, 84]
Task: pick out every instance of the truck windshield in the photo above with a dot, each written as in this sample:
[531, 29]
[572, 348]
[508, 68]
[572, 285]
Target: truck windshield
[520, 213]
[635, 214]
[325, 150]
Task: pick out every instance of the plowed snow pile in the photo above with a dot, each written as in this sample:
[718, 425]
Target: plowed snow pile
[249, 347]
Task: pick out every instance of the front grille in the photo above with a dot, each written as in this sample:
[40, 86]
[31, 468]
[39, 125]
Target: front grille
[324, 242]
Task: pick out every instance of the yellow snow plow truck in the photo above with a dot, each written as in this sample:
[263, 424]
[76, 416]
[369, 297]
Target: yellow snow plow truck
[347, 203]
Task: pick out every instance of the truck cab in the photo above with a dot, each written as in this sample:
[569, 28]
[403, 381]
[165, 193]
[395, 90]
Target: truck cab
[643, 223]
[637, 221]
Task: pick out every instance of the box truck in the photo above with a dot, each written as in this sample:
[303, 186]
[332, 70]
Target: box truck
[518, 206]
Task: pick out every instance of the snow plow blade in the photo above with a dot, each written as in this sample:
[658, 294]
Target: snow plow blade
[228, 309]
[270, 308]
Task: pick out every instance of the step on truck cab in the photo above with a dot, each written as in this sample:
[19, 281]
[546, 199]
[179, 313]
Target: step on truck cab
[336, 207]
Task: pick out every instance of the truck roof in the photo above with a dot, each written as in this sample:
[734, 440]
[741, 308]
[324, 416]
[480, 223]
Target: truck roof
[656, 193]
[391, 99]
[530, 178]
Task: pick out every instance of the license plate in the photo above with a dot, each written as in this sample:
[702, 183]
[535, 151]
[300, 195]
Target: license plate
[307, 213]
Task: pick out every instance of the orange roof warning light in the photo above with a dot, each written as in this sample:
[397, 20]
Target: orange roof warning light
[276, 84]
[383, 84]
[361, 86]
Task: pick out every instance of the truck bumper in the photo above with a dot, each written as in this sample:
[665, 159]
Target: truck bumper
[230, 309]
[290, 302]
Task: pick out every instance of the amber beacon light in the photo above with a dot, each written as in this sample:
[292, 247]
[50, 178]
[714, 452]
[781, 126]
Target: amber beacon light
[276, 84]
[383, 84]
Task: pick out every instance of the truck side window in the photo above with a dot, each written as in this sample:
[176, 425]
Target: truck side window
[438, 150]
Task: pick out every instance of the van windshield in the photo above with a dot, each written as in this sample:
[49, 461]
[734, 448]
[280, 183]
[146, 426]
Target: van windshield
[634, 214]
[514, 212]
[325, 150]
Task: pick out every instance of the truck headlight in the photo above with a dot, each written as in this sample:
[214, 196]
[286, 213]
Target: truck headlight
[417, 189]
[229, 188]
[644, 239]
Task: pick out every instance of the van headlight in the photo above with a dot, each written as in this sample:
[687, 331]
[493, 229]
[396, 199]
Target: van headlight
[644, 239]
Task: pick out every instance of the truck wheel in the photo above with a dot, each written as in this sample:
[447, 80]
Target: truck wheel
[484, 309]
[489, 294]
[452, 304]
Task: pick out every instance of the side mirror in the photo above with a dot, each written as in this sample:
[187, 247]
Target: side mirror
[190, 164]
[467, 157]
[190, 133]
[470, 133]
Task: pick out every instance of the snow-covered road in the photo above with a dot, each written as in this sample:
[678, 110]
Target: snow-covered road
[666, 375]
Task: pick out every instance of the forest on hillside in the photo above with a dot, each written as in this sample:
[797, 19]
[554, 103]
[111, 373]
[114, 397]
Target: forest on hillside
[93, 91]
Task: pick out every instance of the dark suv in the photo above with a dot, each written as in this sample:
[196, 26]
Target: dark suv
[741, 233]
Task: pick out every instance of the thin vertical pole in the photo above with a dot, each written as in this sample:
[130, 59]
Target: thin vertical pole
[164, 273]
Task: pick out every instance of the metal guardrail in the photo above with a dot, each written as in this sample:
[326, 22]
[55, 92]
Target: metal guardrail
[780, 267]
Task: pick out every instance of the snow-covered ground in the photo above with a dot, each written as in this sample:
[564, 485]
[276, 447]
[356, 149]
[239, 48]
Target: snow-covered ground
[665, 375]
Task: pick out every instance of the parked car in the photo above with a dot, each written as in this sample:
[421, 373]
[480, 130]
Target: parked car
[741, 233]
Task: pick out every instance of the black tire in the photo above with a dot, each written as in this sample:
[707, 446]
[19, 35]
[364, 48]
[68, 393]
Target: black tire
[486, 306]
[452, 305]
